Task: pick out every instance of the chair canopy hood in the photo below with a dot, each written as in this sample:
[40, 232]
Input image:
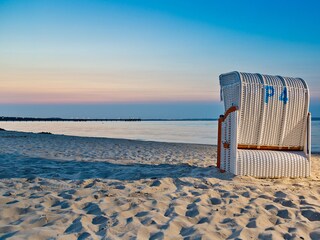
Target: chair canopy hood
[273, 109]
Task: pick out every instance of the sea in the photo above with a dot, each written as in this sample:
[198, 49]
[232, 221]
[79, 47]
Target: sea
[199, 132]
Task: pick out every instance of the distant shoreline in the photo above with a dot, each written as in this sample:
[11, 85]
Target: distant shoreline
[29, 119]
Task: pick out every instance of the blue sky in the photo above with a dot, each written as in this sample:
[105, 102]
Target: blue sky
[148, 59]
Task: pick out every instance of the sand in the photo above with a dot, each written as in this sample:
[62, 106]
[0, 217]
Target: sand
[63, 187]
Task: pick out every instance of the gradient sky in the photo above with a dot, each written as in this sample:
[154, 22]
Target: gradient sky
[148, 59]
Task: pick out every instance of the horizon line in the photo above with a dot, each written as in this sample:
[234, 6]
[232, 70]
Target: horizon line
[52, 119]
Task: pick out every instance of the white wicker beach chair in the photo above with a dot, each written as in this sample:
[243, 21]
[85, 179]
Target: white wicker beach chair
[265, 131]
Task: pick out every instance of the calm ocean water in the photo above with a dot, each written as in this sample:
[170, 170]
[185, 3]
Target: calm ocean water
[203, 132]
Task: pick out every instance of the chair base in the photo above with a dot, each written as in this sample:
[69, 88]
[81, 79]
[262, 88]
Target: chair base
[272, 164]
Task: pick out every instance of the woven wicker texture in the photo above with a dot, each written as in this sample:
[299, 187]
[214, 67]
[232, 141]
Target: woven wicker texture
[272, 113]
[267, 102]
[271, 164]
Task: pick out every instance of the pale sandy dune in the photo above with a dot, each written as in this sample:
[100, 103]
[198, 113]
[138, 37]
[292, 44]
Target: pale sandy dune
[59, 187]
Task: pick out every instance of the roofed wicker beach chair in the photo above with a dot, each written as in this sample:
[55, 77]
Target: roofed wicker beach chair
[265, 131]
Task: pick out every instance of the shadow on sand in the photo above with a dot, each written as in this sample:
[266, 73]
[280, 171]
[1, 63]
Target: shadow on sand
[19, 166]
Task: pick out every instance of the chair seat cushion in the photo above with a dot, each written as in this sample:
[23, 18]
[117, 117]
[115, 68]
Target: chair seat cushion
[272, 164]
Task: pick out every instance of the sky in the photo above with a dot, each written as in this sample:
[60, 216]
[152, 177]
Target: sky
[145, 58]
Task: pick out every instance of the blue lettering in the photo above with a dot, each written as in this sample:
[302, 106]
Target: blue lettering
[269, 93]
[284, 96]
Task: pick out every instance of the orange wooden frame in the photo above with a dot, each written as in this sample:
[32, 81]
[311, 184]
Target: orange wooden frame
[222, 118]
[295, 148]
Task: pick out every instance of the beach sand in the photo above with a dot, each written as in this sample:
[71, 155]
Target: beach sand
[63, 187]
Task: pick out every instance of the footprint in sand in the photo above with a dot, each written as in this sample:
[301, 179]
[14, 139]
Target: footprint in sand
[142, 214]
[120, 187]
[148, 221]
[192, 210]
[34, 196]
[12, 202]
[62, 204]
[203, 220]
[265, 197]
[56, 203]
[129, 220]
[252, 223]
[156, 236]
[228, 221]
[78, 199]
[215, 201]
[243, 210]
[315, 235]
[284, 214]
[165, 226]
[92, 208]
[291, 230]
[65, 205]
[311, 215]
[186, 231]
[75, 227]
[197, 200]
[170, 211]
[115, 222]
[280, 194]
[246, 194]
[90, 185]
[194, 193]
[84, 236]
[269, 229]
[225, 195]
[8, 235]
[304, 202]
[102, 230]
[265, 236]
[65, 195]
[156, 183]
[285, 203]
[17, 222]
[271, 207]
[99, 220]
[7, 194]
